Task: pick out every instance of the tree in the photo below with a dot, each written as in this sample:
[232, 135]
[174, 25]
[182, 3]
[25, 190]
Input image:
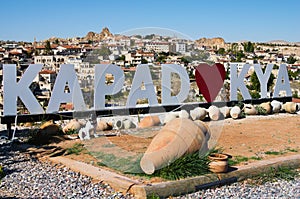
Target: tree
[35, 88]
[234, 48]
[249, 47]
[56, 41]
[221, 51]
[48, 49]
[161, 59]
[239, 56]
[255, 84]
[104, 52]
[291, 60]
[184, 60]
[149, 36]
[144, 61]
[292, 75]
[132, 42]
[121, 58]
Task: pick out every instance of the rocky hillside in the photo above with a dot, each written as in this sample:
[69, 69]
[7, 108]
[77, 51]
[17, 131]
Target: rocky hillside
[105, 33]
[218, 41]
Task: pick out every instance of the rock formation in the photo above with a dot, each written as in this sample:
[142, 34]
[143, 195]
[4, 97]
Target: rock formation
[105, 33]
[218, 41]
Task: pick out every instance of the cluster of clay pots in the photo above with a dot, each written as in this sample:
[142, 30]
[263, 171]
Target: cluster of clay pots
[272, 107]
[213, 113]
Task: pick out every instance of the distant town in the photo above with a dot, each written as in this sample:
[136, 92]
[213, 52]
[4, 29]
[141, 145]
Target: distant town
[130, 51]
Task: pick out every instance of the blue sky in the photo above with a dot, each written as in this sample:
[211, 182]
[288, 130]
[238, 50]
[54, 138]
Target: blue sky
[234, 20]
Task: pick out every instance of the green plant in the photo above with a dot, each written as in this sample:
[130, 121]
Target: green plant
[254, 94]
[126, 164]
[71, 132]
[261, 110]
[77, 148]
[240, 104]
[239, 159]
[291, 150]
[1, 172]
[110, 145]
[284, 173]
[187, 166]
[274, 152]
[153, 196]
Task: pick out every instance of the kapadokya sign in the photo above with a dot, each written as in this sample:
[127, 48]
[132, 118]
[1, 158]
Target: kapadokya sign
[209, 79]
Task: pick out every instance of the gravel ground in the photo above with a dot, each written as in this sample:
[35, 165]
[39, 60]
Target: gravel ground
[277, 189]
[26, 177]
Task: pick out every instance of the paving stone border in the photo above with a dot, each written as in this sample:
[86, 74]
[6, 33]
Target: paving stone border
[173, 188]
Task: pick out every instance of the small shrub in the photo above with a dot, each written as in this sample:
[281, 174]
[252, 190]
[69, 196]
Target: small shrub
[1, 172]
[237, 159]
[71, 132]
[261, 110]
[274, 152]
[291, 150]
[76, 149]
[284, 173]
[187, 166]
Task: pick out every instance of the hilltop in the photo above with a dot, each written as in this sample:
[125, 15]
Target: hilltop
[93, 36]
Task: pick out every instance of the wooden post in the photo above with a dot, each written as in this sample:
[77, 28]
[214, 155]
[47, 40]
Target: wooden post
[9, 131]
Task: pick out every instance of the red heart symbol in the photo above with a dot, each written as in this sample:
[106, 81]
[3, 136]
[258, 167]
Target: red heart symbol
[210, 80]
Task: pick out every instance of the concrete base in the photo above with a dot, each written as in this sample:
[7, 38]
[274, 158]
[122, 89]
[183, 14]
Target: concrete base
[179, 187]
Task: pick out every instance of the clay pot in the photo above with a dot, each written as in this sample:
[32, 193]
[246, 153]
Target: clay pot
[219, 163]
[290, 107]
[184, 114]
[149, 121]
[103, 126]
[267, 106]
[225, 111]
[49, 129]
[125, 124]
[276, 106]
[214, 113]
[28, 124]
[170, 116]
[198, 113]
[72, 125]
[249, 109]
[178, 137]
[235, 112]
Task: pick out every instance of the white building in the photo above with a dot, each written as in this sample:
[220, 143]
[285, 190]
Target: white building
[51, 62]
[158, 46]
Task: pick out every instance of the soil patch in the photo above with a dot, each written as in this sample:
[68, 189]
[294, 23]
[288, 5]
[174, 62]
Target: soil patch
[254, 138]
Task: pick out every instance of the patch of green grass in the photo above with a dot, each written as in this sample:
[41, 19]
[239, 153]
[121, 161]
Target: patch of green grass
[261, 110]
[239, 159]
[186, 166]
[153, 196]
[2, 174]
[284, 173]
[274, 152]
[108, 145]
[127, 164]
[291, 150]
[75, 149]
[255, 158]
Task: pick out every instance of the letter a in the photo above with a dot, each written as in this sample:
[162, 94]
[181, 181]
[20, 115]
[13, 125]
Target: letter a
[282, 82]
